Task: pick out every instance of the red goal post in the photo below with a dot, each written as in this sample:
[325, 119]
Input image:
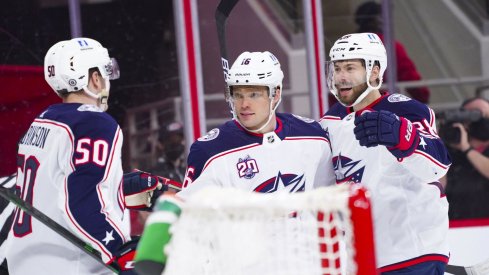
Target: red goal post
[229, 231]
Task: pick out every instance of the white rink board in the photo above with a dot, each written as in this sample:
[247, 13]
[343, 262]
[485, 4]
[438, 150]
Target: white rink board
[468, 245]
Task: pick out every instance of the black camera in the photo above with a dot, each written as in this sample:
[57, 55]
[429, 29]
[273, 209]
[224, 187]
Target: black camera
[450, 134]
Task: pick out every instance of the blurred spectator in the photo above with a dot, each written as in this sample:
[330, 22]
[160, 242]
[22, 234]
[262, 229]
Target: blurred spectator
[467, 181]
[368, 17]
[482, 91]
[171, 161]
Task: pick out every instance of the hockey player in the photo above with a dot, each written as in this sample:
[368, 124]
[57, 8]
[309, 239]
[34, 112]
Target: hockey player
[259, 150]
[390, 144]
[69, 168]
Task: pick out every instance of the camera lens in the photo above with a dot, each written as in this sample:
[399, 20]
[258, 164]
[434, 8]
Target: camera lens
[450, 134]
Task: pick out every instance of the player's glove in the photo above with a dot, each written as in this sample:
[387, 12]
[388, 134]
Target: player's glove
[141, 189]
[124, 257]
[386, 128]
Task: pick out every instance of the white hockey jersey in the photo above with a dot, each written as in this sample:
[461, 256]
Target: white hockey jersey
[295, 157]
[410, 209]
[69, 168]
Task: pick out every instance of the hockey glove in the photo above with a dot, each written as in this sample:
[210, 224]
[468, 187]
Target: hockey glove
[124, 257]
[386, 128]
[141, 189]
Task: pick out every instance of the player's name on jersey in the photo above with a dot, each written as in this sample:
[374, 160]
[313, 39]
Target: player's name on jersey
[35, 136]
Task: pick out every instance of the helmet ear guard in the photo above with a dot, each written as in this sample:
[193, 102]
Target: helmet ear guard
[364, 46]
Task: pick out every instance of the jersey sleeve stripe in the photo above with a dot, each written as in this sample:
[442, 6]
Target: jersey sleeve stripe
[429, 157]
[100, 193]
[102, 248]
[229, 152]
[432, 117]
[120, 197]
[307, 138]
[330, 118]
[103, 211]
[113, 149]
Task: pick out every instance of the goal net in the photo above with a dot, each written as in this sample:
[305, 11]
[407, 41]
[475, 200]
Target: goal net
[229, 231]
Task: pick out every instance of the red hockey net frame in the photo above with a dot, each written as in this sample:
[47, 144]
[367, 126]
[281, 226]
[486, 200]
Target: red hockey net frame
[361, 234]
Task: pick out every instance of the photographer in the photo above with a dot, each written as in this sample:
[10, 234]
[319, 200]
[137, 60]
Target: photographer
[466, 133]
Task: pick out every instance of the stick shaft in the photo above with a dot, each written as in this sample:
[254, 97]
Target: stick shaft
[65, 233]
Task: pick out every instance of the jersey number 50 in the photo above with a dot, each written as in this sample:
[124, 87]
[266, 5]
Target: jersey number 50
[28, 168]
[90, 150]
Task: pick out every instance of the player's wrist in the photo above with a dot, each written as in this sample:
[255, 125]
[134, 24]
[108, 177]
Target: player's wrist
[407, 135]
[141, 189]
[467, 151]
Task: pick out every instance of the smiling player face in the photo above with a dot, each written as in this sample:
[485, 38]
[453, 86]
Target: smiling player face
[349, 80]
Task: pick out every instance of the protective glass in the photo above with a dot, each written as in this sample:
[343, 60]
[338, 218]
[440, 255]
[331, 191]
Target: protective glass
[249, 94]
[112, 69]
[345, 75]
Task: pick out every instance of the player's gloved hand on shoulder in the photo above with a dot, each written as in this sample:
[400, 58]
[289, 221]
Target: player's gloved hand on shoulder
[141, 189]
[124, 257]
[386, 128]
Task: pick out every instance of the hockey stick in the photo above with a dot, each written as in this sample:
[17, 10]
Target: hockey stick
[7, 180]
[222, 12]
[478, 269]
[31, 210]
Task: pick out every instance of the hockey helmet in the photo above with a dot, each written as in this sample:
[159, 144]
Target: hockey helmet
[67, 63]
[256, 69]
[365, 46]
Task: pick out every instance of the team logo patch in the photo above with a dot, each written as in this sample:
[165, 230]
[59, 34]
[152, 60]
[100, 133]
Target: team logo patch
[347, 170]
[247, 167]
[398, 98]
[283, 183]
[305, 119]
[212, 134]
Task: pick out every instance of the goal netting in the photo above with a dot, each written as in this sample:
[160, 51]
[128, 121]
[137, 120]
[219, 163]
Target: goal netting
[229, 231]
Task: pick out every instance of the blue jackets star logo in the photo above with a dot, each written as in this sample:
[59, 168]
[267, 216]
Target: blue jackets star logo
[108, 237]
[283, 183]
[347, 170]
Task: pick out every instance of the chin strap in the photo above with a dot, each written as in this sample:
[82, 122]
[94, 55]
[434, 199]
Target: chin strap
[102, 97]
[364, 94]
